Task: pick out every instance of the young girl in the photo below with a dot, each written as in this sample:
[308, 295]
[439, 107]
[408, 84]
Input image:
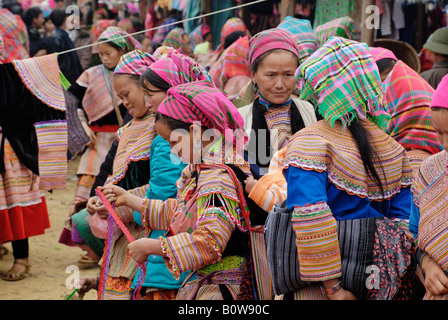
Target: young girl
[100, 110]
[207, 230]
[428, 213]
[173, 70]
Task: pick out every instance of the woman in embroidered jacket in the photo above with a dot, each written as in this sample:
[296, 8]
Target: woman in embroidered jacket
[343, 167]
[32, 129]
[407, 99]
[131, 170]
[171, 70]
[274, 116]
[100, 110]
[205, 223]
[429, 210]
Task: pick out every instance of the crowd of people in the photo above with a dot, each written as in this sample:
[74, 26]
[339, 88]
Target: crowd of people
[191, 146]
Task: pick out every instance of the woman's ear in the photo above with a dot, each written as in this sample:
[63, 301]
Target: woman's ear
[254, 78]
[196, 132]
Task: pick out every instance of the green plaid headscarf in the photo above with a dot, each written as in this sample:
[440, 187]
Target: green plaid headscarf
[121, 38]
[340, 27]
[342, 80]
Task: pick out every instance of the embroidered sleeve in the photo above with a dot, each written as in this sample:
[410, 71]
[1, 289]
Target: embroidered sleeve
[126, 214]
[317, 242]
[314, 224]
[269, 190]
[203, 246]
[158, 214]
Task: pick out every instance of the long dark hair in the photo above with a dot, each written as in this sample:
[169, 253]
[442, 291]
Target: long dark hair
[367, 152]
[385, 64]
[172, 123]
[153, 78]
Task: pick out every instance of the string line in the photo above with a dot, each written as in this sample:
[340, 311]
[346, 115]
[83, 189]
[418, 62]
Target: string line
[165, 25]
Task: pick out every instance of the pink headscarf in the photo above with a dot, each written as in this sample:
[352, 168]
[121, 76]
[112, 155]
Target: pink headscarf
[440, 97]
[177, 69]
[201, 102]
[271, 39]
[379, 53]
[231, 25]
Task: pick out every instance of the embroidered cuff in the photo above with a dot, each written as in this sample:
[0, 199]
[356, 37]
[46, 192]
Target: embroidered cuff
[170, 260]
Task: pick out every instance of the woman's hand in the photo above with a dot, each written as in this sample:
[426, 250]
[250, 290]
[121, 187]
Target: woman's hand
[94, 204]
[90, 133]
[342, 294]
[436, 280]
[115, 194]
[140, 249]
[85, 284]
[91, 204]
[250, 184]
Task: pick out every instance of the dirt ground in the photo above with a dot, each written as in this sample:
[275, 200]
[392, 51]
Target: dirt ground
[50, 260]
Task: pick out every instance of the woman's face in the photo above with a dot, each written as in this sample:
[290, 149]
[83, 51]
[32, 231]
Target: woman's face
[275, 76]
[153, 96]
[131, 94]
[181, 141]
[440, 124]
[109, 55]
[187, 43]
[147, 45]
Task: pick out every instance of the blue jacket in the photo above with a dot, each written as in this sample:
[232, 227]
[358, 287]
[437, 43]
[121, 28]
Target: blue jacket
[310, 186]
[165, 169]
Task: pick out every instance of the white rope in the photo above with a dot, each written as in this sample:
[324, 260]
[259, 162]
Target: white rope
[165, 25]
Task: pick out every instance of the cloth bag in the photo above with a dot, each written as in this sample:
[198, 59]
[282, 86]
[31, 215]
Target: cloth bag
[377, 256]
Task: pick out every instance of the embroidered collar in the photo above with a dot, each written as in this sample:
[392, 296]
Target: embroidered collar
[267, 104]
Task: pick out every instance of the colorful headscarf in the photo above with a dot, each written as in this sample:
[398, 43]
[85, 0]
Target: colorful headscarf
[161, 33]
[162, 52]
[407, 99]
[342, 81]
[177, 69]
[339, 27]
[100, 26]
[201, 102]
[197, 35]
[303, 34]
[233, 62]
[126, 25]
[379, 53]
[102, 12]
[271, 39]
[440, 97]
[231, 25]
[134, 62]
[121, 38]
[14, 42]
[175, 39]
